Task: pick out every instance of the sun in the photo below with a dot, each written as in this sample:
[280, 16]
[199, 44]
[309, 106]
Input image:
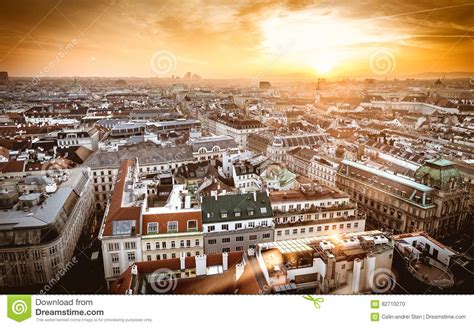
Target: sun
[323, 63]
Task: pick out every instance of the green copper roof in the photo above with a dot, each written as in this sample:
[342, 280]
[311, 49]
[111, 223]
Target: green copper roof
[440, 174]
[440, 162]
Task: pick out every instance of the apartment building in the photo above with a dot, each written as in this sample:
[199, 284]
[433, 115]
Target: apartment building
[435, 202]
[122, 224]
[308, 213]
[169, 235]
[238, 129]
[236, 222]
[153, 159]
[43, 215]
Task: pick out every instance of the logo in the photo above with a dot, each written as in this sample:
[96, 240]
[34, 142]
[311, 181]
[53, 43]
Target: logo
[316, 300]
[19, 307]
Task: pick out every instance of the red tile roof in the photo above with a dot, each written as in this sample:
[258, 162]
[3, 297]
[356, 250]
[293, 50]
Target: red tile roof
[124, 282]
[116, 211]
[12, 166]
[182, 217]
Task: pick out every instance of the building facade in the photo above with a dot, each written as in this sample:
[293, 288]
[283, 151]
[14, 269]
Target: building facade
[43, 218]
[236, 222]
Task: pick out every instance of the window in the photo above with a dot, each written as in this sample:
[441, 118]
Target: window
[130, 246]
[239, 248]
[157, 245]
[225, 227]
[165, 256]
[116, 270]
[192, 225]
[188, 243]
[114, 257]
[266, 235]
[173, 255]
[225, 250]
[311, 229]
[287, 232]
[319, 228]
[295, 231]
[326, 227]
[356, 225]
[163, 245]
[113, 246]
[158, 257]
[264, 223]
[181, 244]
[172, 227]
[196, 242]
[213, 241]
[173, 244]
[334, 226]
[152, 228]
[239, 239]
[251, 224]
[279, 233]
[148, 257]
[263, 210]
[226, 240]
[349, 225]
[302, 230]
[238, 225]
[148, 247]
[252, 237]
[131, 256]
[211, 228]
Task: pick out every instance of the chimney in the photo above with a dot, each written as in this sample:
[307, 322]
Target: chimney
[239, 270]
[182, 261]
[225, 261]
[200, 265]
[356, 276]
[134, 270]
[255, 196]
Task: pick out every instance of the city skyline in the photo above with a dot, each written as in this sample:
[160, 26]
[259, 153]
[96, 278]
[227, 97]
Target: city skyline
[234, 40]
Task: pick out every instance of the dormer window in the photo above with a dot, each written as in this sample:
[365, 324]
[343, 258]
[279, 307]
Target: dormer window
[223, 214]
[172, 227]
[237, 212]
[250, 211]
[152, 228]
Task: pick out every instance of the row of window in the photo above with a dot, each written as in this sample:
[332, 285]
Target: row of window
[251, 224]
[116, 246]
[172, 227]
[302, 230]
[238, 239]
[307, 205]
[173, 244]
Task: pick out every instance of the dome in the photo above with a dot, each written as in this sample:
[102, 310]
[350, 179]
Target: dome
[440, 174]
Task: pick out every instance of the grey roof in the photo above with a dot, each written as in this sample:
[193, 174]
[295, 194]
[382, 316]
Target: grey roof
[40, 216]
[45, 214]
[231, 204]
[147, 153]
[39, 180]
[384, 174]
[222, 141]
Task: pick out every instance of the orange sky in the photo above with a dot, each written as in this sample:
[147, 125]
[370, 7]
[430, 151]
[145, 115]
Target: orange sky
[252, 39]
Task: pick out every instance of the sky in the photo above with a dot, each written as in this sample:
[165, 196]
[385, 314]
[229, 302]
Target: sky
[235, 39]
